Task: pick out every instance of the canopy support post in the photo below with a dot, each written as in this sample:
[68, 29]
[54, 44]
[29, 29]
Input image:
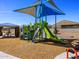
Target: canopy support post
[46, 18]
[36, 14]
[55, 24]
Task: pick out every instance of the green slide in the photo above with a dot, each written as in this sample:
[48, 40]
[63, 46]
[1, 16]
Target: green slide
[50, 35]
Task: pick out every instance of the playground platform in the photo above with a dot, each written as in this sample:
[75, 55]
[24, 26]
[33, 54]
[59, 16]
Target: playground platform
[27, 50]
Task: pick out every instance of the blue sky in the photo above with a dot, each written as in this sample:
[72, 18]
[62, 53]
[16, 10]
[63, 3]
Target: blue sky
[7, 15]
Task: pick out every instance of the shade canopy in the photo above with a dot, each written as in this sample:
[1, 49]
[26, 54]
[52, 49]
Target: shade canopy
[49, 11]
[51, 2]
[30, 11]
[48, 8]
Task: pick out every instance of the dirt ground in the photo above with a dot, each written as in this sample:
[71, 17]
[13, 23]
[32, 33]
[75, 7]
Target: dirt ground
[28, 50]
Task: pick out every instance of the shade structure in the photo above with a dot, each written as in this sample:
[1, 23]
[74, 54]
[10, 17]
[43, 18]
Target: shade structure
[49, 1]
[30, 11]
[48, 8]
[49, 11]
[53, 4]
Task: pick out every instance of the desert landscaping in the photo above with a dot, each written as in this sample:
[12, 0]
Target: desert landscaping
[27, 50]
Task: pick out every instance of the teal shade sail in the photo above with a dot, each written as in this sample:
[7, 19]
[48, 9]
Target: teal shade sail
[48, 8]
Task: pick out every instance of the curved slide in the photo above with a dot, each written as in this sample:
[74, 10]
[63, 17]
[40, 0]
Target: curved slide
[50, 35]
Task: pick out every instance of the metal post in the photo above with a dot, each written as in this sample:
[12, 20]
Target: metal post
[42, 19]
[33, 40]
[46, 18]
[36, 15]
[55, 24]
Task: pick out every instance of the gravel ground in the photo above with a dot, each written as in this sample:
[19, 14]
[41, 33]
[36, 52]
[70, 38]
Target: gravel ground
[28, 50]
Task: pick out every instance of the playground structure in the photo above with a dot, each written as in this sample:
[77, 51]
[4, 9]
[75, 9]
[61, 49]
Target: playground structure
[40, 31]
[30, 33]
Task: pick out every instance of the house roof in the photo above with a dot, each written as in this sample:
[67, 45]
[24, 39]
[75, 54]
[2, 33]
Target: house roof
[8, 24]
[66, 22]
